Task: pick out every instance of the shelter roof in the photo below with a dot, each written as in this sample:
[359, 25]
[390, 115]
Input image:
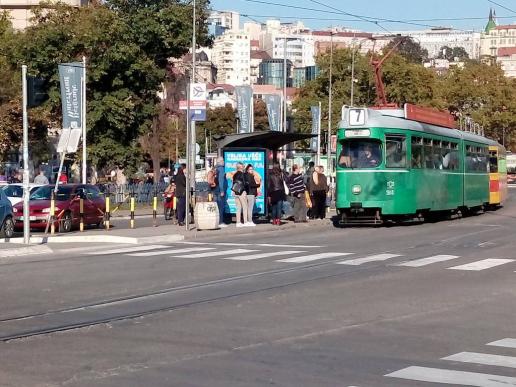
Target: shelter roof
[268, 139]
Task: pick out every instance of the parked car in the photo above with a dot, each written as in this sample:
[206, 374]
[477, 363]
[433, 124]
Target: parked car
[6, 217]
[15, 191]
[67, 207]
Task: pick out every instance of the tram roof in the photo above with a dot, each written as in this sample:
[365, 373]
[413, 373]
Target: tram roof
[395, 119]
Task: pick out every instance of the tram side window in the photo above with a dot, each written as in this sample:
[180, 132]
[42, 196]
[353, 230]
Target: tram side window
[429, 162]
[483, 153]
[437, 158]
[453, 164]
[417, 152]
[396, 152]
[493, 161]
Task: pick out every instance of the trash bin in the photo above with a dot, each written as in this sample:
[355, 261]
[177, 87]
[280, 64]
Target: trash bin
[206, 216]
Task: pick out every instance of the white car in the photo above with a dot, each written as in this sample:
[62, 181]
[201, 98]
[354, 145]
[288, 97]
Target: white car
[14, 191]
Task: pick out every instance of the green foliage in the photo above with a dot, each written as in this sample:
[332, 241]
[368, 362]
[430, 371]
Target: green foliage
[127, 44]
[477, 90]
[409, 49]
[451, 54]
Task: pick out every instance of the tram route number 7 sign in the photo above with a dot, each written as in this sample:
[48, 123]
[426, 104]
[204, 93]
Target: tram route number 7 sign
[357, 117]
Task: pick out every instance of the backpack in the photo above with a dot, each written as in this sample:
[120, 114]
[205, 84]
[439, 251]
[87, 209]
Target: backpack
[213, 178]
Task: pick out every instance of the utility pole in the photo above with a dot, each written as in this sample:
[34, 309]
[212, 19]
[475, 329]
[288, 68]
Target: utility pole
[84, 153]
[352, 72]
[26, 220]
[190, 149]
[328, 146]
[285, 85]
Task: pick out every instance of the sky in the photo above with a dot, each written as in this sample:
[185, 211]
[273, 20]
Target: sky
[336, 13]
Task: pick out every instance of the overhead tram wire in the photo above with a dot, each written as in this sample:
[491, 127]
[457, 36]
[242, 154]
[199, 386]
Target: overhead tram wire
[501, 6]
[364, 19]
[250, 16]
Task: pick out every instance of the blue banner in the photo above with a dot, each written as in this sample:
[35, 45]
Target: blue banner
[257, 159]
[273, 103]
[316, 119]
[70, 78]
[244, 96]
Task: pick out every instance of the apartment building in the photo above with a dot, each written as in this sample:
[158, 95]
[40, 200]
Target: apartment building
[231, 54]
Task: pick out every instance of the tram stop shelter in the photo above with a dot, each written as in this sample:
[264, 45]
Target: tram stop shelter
[257, 149]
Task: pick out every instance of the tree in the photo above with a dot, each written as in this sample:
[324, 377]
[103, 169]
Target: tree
[409, 49]
[453, 53]
[261, 120]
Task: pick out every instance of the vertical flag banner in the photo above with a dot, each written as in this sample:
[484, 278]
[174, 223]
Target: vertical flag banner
[70, 75]
[315, 126]
[244, 96]
[273, 103]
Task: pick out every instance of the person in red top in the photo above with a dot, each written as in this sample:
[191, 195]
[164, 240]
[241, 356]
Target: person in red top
[63, 179]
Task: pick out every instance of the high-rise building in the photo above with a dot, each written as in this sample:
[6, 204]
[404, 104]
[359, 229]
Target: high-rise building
[21, 10]
[222, 21]
[231, 54]
[257, 57]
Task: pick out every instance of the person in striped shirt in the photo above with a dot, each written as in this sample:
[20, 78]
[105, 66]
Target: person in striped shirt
[296, 185]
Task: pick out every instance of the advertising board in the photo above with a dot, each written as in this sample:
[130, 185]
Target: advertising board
[257, 158]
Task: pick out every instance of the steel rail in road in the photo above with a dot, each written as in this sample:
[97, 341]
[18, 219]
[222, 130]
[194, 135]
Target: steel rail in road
[85, 314]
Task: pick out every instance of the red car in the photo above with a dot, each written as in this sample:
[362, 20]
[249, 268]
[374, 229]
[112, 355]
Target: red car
[67, 207]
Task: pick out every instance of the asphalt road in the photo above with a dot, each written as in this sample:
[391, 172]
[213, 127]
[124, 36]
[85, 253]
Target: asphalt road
[315, 306]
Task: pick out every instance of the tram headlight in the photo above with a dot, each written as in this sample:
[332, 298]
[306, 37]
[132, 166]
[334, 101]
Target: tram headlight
[356, 189]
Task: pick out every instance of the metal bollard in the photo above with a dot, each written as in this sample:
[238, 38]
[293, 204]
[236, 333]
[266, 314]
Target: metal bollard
[52, 213]
[210, 197]
[155, 210]
[81, 215]
[132, 210]
[107, 214]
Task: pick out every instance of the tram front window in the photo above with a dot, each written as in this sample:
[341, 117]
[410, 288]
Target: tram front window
[360, 154]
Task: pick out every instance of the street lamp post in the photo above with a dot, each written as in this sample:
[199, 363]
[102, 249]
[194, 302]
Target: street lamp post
[285, 85]
[328, 153]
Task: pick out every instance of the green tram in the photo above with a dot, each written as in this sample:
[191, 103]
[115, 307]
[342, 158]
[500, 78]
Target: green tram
[392, 167]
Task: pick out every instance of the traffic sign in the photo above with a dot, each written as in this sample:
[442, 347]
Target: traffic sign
[198, 92]
[198, 114]
[183, 105]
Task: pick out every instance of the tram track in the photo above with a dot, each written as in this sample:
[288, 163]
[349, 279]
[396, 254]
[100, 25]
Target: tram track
[190, 295]
[39, 328]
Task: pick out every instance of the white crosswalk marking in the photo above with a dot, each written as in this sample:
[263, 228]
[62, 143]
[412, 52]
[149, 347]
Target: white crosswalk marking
[371, 258]
[312, 257]
[249, 244]
[506, 343]
[215, 253]
[128, 249]
[482, 265]
[171, 251]
[263, 255]
[459, 378]
[483, 358]
[427, 261]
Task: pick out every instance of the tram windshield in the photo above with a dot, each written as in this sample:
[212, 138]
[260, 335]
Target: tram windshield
[360, 154]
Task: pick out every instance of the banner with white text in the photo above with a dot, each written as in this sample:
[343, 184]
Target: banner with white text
[244, 96]
[273, 103]
[70, 78]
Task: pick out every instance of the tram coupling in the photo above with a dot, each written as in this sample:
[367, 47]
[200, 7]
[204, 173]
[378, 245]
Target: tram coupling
[357, 215]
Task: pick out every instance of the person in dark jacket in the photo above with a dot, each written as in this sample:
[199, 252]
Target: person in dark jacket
[238, 178]
[180, 182]
[318, 190]
[296, 186]
[252, 184]
[219, 189]
[276, 194]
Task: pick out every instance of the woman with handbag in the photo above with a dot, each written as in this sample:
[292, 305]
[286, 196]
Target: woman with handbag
[276, 194]
[238, 188]
[252, 185]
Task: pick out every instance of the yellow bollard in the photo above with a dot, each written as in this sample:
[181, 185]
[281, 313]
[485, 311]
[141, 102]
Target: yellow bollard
[132, 211]
[155, 211]
[210, 197]
[52, 213]
[107, 214]
[81, 215]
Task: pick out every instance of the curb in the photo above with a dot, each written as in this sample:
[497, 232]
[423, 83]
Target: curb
[100, 239]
